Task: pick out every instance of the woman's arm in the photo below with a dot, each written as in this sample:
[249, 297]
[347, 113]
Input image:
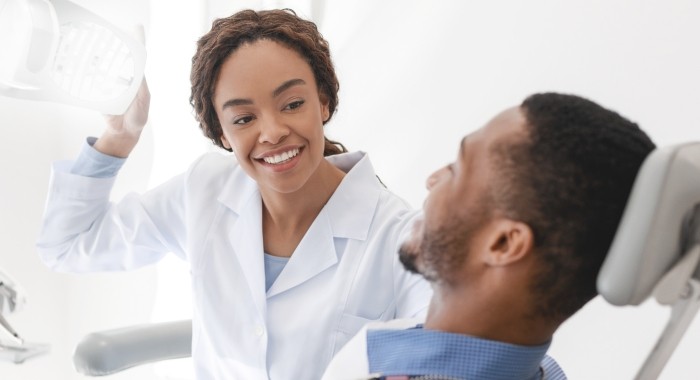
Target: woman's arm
[83, 231]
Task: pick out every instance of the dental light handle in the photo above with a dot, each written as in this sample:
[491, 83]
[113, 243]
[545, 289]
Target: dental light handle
[20, 93]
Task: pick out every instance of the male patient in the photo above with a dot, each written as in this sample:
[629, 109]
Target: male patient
[514, 233]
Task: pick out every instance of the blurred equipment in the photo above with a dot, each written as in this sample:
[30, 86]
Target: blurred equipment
[15, 349]
[111, 351]
[58, 51]
[656, 250]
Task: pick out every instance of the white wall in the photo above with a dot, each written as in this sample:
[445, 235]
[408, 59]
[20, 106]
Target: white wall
[415, 77]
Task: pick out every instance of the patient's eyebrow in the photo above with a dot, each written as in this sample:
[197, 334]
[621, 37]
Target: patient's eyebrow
[286, 85]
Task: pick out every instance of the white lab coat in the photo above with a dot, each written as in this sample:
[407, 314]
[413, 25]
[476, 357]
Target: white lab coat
[344, 273]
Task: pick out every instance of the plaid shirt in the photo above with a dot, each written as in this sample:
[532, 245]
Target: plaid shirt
[418, 354]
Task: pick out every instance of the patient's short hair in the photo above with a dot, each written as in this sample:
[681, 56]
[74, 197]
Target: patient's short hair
[569, 181]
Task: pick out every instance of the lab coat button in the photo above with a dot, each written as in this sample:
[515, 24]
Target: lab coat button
[259, 330]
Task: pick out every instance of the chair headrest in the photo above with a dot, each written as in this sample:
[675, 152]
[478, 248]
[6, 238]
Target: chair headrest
[650, 238]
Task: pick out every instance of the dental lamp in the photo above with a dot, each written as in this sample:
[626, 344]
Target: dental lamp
[12, 299]
[58, 51]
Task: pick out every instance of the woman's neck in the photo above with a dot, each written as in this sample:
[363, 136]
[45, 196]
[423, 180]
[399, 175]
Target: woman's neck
[287, 216]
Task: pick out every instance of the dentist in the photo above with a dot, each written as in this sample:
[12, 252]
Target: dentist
[291, 240]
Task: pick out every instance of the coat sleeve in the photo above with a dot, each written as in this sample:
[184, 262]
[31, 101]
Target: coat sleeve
[82, 231]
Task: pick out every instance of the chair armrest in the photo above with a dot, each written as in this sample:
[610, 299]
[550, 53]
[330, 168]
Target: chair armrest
[107, 352]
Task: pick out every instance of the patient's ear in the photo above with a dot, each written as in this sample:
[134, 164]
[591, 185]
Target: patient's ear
[508, 241]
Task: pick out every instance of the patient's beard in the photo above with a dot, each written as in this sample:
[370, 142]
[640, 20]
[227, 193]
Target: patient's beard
[408, 255]
[437, 254]
[410, 250]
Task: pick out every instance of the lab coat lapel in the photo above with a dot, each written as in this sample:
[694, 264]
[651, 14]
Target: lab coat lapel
[242, 197]
[316, 252]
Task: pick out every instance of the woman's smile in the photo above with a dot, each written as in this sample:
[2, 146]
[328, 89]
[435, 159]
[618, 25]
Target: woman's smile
[281, 160]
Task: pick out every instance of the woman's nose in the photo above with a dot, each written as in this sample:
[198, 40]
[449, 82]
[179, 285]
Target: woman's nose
[272, 131]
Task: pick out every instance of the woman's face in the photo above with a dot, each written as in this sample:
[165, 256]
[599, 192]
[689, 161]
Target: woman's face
[271, 114]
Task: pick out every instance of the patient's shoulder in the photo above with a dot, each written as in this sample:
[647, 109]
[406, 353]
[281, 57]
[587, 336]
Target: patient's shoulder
[551, 369]
[351, 361]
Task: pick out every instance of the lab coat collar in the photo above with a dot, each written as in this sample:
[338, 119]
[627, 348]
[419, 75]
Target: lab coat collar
[238, 191]
[351, 207]
[347, 214]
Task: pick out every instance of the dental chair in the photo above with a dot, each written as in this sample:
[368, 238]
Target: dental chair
[111, 351]
[656, 251]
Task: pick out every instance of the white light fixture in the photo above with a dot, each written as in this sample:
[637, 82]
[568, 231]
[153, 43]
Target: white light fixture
[58, 51]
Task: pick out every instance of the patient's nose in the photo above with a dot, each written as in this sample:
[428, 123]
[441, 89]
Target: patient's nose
[432, 179]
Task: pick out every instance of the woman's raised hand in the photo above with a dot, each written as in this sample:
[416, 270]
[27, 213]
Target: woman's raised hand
[123, 131]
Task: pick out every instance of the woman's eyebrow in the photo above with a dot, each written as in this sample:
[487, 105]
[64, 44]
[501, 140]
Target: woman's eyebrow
[280, 89]
[236, 102]
[286, 85]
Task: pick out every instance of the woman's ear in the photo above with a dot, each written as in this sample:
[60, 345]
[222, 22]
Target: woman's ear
[225, 142]
[508, 242]
[326, 112]
[325, 108]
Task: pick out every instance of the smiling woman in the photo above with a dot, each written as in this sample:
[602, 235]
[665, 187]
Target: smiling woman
[290, 239]
[271, 115]
[228, 34]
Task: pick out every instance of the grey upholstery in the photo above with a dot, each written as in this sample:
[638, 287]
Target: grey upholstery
[649, 240]
[111, 351]
[656, 249]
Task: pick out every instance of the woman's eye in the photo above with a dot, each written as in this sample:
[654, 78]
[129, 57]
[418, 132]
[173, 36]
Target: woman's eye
[294, 105]
[243, 120]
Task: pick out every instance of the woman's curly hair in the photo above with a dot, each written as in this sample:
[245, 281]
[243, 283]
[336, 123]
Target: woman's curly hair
[227, 34]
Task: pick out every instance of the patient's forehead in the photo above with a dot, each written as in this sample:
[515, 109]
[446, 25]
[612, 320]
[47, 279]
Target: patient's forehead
[508, 125]
[509, 122]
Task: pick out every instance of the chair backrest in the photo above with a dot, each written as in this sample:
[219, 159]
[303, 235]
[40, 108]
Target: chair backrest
[650, 238]
[657, 247]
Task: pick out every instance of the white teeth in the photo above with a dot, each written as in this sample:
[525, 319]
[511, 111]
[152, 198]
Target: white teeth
[279, 158]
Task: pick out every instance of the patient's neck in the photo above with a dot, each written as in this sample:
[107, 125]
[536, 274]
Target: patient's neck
[487, 316]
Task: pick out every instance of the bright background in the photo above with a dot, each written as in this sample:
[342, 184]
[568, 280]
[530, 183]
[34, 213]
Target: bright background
[415, 77]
